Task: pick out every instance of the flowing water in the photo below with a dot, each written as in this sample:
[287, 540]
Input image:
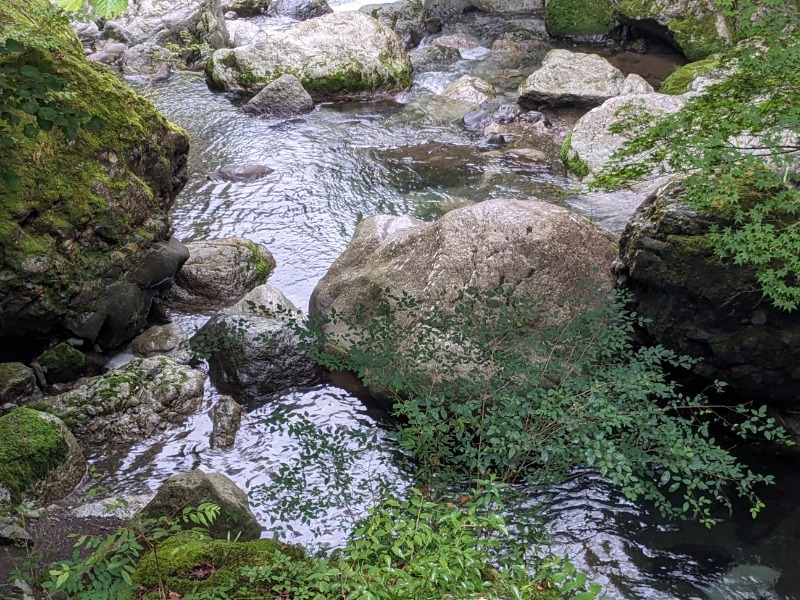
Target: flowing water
[346, 161]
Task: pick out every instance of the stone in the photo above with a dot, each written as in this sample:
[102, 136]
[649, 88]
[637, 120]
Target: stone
[457, 41]
[13, 534]
[707, 307]
[635, 84]
[334, 55]
[283, 97]
[93, 216]
[219, 272]
[470, 89]
[162, 340]
[111, 507]
[111, 54]
[61, 363]
[243, 33]
[571, 79]
[88, 33]
[263, 353]
[195, 488]
[543, 251]
[246, 7]
[40, 460]
[17, 383]
[589, 147]
[239, 173]
[226, 417]
[412, 21]
[164, 21]
[129, 403]
[298, 9]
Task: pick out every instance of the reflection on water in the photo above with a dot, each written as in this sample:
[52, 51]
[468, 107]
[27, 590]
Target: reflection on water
[344, 162]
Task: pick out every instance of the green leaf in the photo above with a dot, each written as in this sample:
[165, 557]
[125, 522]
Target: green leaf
[70, 5]
[109, 8]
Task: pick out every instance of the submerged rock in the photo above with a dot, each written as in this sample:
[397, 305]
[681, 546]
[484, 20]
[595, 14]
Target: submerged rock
[333, 55]
[254, 349]
[226, 417]
[571, 79]
[78, 232]
[283, 97]
[239, 173]
[220, 272]
[40, 459]
[196, 487]
[129, 403]
[470, 89]
[707, 307]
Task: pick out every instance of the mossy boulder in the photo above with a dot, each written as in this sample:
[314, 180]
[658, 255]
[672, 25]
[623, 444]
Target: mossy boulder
[17, 383]
[334, 55]
[682, 78]
[190, 490]
[697, 27]
[219, 272]
[579, 19]
[707, 307]
[221, 564]
[40, 459]
[86, 215]
[128, 403]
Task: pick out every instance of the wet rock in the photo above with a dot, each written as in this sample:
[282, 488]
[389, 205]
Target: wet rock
[195, 488]
[298, 9]
[469, 89]
[457, 41]
[571, 79]
[162, 340]
[164, 21]
[590, 146]
[226, 417]
[542, 250]
[230, 16]
[112, 54]
[707, 307]
[129, 403]
[410, 20]
[635, 84]
[283, 97]
[506, 113]
[40, 460]
[333, 55]
[534, 116]
[243, 33]
[245, 8]
[118, 361]
[477, 119]
[494, 140]
[88, 33]
[263, 353]
[220, 272]
[17, 383]
[239, 173]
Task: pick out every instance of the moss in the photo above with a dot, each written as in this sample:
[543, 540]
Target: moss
[571, 160]
[61, 357]
[567, 18]
[179, 558]
[30, 446]
[680, 79]
[260, 266]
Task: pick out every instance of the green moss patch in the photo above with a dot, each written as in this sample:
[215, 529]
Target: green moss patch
[573, 163]
[61, 357]
[30, 446]
[680, 79]
[577, 18]
[197, 565]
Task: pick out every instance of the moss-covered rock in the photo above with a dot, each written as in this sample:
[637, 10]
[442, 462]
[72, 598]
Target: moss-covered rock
[710, 308]
[681, 78]
[61, 357]
[571, 160]
[579, 18]
[39, 458]
[697, 27]
[85, 213]
[334, 55]
[17, 383]
[221, 563]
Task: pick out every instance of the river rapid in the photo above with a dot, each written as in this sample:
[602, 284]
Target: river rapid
[346, 161]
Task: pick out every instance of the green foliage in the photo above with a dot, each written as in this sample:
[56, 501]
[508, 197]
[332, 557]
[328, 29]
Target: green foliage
[477, 395]
[104, 8]
[579, 17]
[60, 357]
[737, 148]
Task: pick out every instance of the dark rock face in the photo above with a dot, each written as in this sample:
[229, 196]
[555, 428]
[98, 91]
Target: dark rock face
[298, 9]
[284, 97]
[706, 307]
[84, 239]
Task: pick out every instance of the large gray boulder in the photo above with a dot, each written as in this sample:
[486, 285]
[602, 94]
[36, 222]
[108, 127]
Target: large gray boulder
[127, 404]
[254, 349]
[411, 20]
[40, 459]
[333, 55]
[543, 251]
[167, 21]
[298, 9]
[571, 79]
[219, 272]
[283, 97]
[243, 33]
[710, 308]
[589, 147]
[195, 488]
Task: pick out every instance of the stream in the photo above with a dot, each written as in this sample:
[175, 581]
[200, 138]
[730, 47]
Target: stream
[346, 161]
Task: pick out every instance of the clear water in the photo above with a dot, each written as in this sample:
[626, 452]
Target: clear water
[347, 161]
